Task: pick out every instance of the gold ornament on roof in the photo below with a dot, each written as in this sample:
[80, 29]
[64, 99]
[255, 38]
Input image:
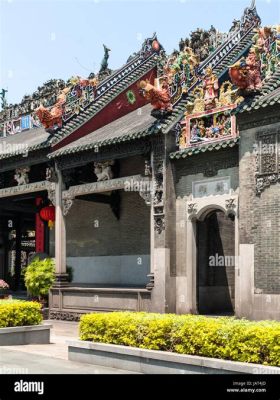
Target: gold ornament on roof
[228, 95]
[198, 104]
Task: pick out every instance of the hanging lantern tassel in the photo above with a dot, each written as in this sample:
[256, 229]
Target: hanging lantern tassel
[50, 224]
[48, 214]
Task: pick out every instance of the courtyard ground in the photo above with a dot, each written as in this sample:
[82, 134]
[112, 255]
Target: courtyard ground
[49, 358]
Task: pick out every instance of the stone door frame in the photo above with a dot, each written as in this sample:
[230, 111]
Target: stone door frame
[196, 209]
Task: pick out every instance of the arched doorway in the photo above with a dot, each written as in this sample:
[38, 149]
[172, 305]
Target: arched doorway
[215, 241]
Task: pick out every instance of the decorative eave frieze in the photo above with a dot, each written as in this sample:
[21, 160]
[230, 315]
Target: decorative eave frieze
[29, 188]
[99, 187]
[128, 183]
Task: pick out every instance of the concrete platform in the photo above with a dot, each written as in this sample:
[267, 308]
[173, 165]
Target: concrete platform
[21, 335]
[49, 358]
[158, 362]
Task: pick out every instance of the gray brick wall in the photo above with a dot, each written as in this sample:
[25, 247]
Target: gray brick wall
[259, 216]
[197, 167]
[129, 235]
[132, 166]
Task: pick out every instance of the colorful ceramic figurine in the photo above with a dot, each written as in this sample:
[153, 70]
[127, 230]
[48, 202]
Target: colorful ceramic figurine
[53, 117]
[263, 39]
[210, 87]
[77, 80]
[246, 74]
[254, 71]
[160, 99]
[228, 95]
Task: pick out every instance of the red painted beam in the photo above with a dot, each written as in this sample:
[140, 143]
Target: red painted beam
[117, 108]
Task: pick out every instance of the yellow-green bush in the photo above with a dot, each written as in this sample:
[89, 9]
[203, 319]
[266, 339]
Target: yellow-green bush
[19, 313]
[225, 338]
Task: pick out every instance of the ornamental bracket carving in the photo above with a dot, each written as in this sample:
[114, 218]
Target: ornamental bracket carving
[230, 206]
[146, 195]
[66, 206]
[192, 210]
[51, 196]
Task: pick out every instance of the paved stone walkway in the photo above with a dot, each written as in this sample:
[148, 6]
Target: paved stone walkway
[49, 358]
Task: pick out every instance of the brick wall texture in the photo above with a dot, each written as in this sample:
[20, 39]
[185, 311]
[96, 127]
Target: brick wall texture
[259, 216]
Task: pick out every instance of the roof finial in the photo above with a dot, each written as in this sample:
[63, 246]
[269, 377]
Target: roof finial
[3, 98]
[104, 62]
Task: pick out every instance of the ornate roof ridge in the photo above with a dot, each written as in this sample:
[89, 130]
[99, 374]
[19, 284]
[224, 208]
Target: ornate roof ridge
[268, 95]
[52, 88]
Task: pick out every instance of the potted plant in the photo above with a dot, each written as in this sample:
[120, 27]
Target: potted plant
[39, 277]
[3, 287]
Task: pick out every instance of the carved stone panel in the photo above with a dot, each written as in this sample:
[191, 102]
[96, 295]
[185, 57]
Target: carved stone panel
[158, 192]
[211, 187]
[267, 150]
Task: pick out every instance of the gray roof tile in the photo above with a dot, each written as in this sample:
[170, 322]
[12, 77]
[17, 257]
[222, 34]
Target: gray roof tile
[131, 126]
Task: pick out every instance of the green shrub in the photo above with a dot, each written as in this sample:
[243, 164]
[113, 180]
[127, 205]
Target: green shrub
[19, 313]
[224, 338]
[39, 277]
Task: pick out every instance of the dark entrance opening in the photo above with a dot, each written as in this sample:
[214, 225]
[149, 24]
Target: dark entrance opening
[18, 232]
[215, 264]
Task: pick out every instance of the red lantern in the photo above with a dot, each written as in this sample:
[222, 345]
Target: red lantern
[155, 45]
[48, 214]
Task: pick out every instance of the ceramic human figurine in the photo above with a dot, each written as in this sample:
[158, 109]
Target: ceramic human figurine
[228, 95]
[254, 71]
[210, 87]
[246, 74]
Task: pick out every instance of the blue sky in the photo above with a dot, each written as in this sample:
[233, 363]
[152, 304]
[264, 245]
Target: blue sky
[44, 39]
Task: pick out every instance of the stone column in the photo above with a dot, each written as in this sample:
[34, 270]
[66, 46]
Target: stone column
[163, 229]
[245, 288]
[60, 234]
[191, 295]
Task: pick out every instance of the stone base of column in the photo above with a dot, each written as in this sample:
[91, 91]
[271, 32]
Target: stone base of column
[61, 280]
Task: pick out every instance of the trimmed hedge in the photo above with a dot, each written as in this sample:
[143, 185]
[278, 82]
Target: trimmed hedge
[225, 338]
[19, 313]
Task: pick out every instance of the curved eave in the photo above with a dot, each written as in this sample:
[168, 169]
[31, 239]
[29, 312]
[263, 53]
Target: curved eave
[202, 149]
[41, 146]
[104, 143]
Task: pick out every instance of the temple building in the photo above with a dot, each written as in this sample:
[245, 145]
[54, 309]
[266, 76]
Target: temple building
[156, 186]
